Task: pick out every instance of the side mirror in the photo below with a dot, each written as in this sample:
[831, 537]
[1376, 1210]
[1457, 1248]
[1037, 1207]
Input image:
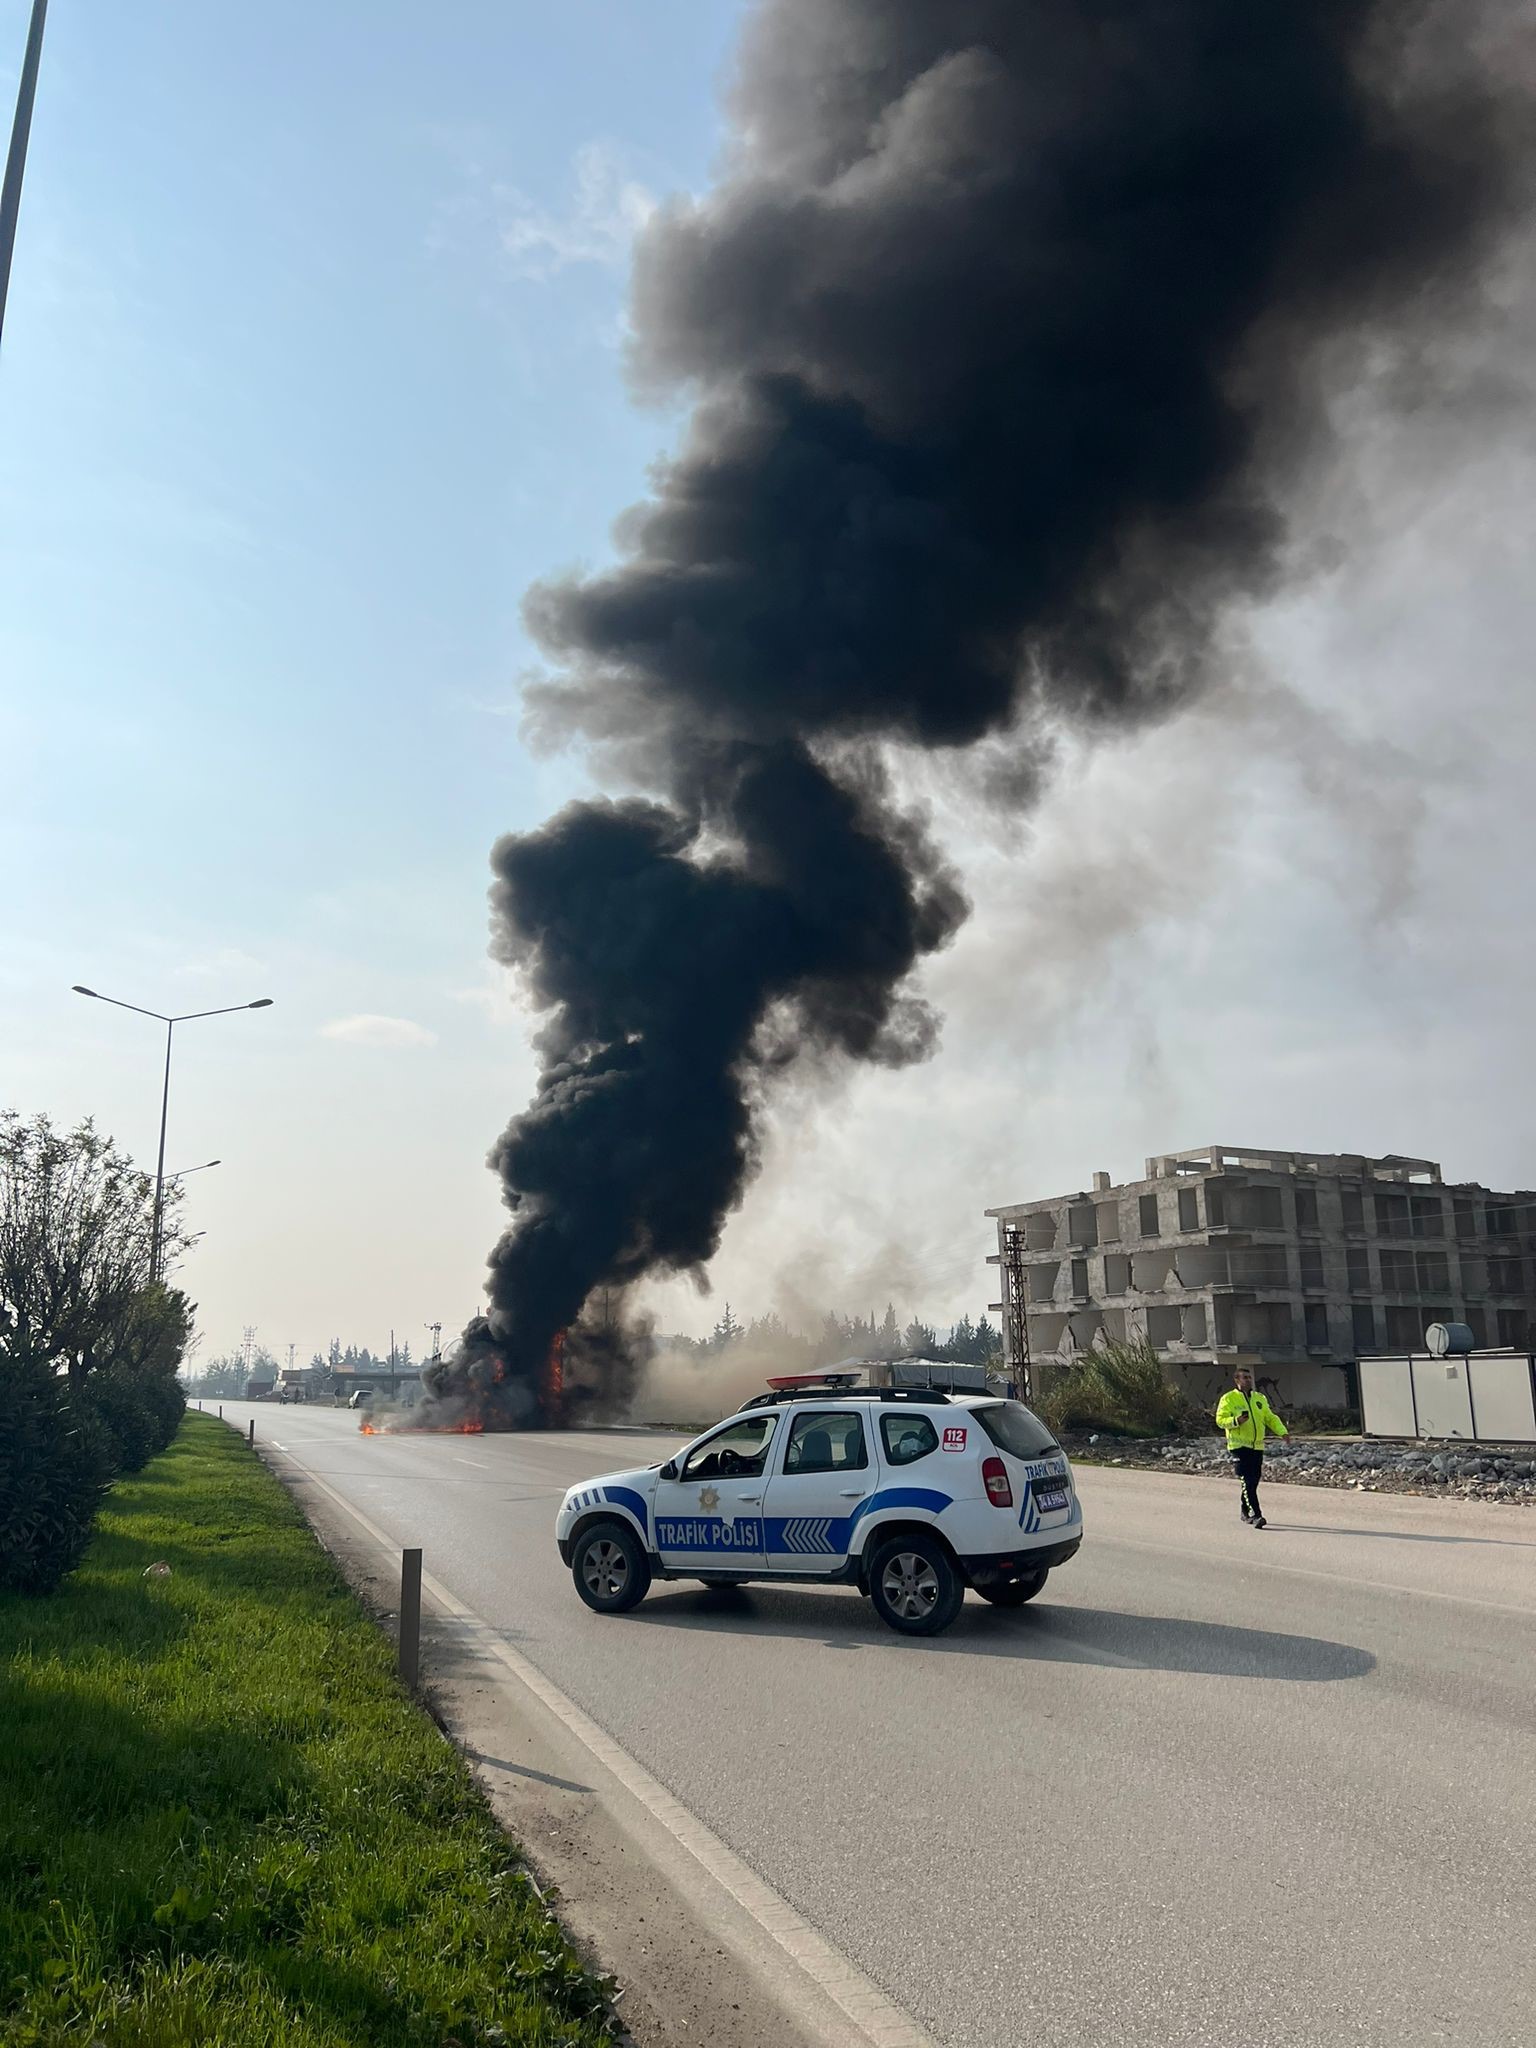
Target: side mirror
[669, 1470]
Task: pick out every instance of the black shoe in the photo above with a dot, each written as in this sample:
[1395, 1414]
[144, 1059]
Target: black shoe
[1259, 1522]
[1247, 1517]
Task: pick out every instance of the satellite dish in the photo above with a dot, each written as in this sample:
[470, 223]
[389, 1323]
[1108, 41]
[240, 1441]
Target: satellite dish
[1448, 1340]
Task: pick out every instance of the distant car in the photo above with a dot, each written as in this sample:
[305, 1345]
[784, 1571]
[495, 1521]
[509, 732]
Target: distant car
[361, 1398]
[908, 1494]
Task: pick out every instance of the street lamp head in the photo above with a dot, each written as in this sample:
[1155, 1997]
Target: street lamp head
[78, 988]
[261, 1003]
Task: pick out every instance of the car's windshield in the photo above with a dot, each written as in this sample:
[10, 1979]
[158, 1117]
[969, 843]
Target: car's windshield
[735, 1453]
[1013, 1428]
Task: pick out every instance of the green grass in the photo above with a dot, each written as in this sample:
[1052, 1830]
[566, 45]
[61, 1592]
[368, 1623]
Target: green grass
[222, 1821]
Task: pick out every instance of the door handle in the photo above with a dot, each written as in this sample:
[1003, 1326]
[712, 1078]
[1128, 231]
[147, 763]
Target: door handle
[851, 1493]
[750, 1500]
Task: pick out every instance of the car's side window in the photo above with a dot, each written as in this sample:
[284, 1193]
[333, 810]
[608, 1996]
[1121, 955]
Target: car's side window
[908, 1438]
[825, 1443]
[736, 1453]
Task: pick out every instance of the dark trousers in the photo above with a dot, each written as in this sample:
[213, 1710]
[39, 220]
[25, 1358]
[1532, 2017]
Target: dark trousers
[1249, 1467]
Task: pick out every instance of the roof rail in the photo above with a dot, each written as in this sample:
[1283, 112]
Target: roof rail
[778, 1395]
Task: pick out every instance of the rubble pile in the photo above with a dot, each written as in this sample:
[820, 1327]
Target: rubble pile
[1468, 1471]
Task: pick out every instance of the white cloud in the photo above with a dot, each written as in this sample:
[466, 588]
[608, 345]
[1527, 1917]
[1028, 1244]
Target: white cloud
[369, 1029]
[607, 209]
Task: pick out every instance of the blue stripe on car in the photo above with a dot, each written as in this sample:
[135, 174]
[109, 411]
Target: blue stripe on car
[809, 1535]
[831, 1535]
[902, 1497]
[626, 1497]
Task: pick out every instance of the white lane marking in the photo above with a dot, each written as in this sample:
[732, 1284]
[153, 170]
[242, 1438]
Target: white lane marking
[478, 1463]
[880, 2023]
[1347, 1580]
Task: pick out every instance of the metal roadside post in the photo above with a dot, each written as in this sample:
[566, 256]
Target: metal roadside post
[408, 1659]
[251, 1433]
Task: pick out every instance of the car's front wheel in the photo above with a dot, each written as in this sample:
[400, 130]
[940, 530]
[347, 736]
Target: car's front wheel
[610, 1568]
[914, 1585]
[1013, 1592]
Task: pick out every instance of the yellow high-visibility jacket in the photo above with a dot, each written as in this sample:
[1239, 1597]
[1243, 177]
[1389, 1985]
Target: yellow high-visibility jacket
[1247, 1419]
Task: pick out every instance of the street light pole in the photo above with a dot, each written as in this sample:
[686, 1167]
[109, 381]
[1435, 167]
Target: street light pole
[165, 1104]
[170, 1023]
[16, 161]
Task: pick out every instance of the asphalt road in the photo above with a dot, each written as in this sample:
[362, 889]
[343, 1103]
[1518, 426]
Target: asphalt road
[1216, 1786]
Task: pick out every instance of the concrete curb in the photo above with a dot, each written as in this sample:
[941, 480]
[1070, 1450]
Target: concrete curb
[816, 1996]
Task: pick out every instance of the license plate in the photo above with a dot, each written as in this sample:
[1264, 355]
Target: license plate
[1048, 1499]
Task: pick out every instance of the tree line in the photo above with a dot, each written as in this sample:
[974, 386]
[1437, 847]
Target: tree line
[90, 1344]
[840, 1337]
[226, 1377]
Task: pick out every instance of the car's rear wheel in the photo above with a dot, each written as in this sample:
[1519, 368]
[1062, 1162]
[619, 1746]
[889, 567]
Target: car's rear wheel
[610, 1569]
[914, 1585]
[1013, 1592]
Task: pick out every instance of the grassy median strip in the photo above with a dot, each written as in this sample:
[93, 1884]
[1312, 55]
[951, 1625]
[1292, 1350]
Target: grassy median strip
[221, 1821]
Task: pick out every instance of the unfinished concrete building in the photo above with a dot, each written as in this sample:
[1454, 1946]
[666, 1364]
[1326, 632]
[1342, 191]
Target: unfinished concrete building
[1296, 1263]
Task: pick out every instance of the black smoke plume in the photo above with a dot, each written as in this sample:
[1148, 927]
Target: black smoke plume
[1002, 332]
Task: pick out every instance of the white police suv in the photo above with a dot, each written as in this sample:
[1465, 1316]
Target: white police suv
[908, 1494]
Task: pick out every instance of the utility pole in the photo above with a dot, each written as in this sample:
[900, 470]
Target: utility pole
[16, 161]
[437, 1338]
[247, 1347]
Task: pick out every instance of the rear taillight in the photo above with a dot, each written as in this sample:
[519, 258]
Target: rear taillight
[994, 1475]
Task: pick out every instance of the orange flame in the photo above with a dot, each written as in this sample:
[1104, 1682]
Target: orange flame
[554, 1379]
[472, 1427]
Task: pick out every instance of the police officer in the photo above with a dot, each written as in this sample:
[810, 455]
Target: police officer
[1247, 1419]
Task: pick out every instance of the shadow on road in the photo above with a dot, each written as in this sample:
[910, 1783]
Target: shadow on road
[1061, 1635]
[1280, 1528]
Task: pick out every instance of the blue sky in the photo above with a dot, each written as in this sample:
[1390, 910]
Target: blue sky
[311, 364]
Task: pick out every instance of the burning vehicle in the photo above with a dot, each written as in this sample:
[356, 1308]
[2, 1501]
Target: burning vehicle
[476, 1383]
[480, 1382]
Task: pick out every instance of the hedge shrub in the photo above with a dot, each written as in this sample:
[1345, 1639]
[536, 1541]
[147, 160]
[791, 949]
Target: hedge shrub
[54, 1468]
